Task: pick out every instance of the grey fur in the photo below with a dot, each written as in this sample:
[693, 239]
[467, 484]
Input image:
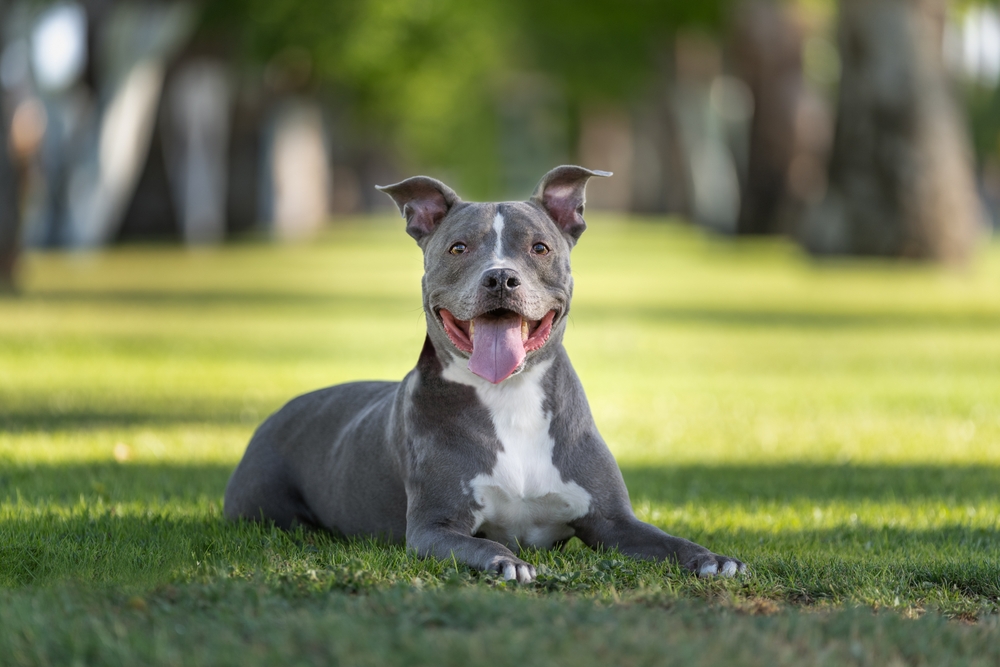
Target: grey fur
[399, 460]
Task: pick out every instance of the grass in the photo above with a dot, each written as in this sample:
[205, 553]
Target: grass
[835, 425]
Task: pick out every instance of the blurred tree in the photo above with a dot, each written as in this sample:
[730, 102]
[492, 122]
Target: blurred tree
[623, 59]
[418, 76]
[9, 213]
[598, 52]
[426, 76]
[980, 88]
[766, 50]
[900, 174]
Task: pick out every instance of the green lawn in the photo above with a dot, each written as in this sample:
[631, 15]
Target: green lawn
[835, 425]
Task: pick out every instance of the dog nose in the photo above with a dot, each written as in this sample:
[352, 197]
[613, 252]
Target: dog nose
[498, 281]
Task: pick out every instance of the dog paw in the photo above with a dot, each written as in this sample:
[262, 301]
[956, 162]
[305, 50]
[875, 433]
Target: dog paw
[711, 565]
[513, 569]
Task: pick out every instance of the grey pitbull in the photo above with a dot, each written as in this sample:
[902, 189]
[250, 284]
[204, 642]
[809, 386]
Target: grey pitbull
[488, 445]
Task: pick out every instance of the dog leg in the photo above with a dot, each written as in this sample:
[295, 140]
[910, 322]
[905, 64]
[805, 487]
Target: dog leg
[641, 540]
[480, 553]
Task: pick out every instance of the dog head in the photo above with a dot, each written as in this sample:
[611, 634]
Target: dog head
[497, 282]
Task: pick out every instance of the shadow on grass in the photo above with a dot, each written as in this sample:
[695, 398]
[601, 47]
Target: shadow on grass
[85, 417]
[736, 484]
[757, 317]
[113, 482]
[214, 298]
[65, 521]
[816, 482]
[97, 546]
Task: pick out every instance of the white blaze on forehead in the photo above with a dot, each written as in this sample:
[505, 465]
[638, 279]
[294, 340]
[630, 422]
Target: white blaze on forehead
[498, 228]
[523, 500]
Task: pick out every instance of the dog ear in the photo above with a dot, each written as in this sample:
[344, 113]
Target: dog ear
[562, 193]
[423, 201]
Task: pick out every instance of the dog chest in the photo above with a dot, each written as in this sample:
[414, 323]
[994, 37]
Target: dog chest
[523, 500]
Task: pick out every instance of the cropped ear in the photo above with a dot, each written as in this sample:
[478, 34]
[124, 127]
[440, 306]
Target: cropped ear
[562, 193]
[423, 201]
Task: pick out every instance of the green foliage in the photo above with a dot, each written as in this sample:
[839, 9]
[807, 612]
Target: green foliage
[833, 425]
[596, 51]
[420, 77]
[429, 77]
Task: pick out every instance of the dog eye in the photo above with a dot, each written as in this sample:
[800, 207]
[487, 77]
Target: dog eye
[458, 249]
[540, 249]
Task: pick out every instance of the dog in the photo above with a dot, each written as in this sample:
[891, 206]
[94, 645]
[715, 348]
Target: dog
[488, 445]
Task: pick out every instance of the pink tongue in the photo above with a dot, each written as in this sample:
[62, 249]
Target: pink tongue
[497, 349]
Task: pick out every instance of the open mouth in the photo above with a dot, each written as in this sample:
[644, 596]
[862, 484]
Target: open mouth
[497, 341]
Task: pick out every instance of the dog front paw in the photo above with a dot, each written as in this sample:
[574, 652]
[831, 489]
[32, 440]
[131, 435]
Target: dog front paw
[513, 569]
[710, 565]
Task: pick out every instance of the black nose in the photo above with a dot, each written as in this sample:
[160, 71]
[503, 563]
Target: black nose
[496, 281]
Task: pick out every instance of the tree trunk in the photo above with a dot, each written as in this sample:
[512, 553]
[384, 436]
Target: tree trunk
[766, 49]
[901, 179]
[9, 209]
[9, 215]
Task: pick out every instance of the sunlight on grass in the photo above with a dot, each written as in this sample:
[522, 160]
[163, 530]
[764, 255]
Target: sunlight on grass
[834, 424]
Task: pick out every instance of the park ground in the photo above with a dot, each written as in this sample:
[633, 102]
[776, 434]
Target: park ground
[834, 424]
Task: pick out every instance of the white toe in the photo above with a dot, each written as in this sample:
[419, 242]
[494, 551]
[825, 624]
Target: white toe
[709, 568]
[509, 571]
[729, 569]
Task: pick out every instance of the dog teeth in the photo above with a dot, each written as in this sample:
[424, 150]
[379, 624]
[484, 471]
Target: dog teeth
[524, 330]
[472, 328]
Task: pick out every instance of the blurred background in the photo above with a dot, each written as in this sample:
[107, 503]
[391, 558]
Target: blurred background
[860, 127]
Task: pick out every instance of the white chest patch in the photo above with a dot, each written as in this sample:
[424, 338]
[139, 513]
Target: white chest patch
[523, 500]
